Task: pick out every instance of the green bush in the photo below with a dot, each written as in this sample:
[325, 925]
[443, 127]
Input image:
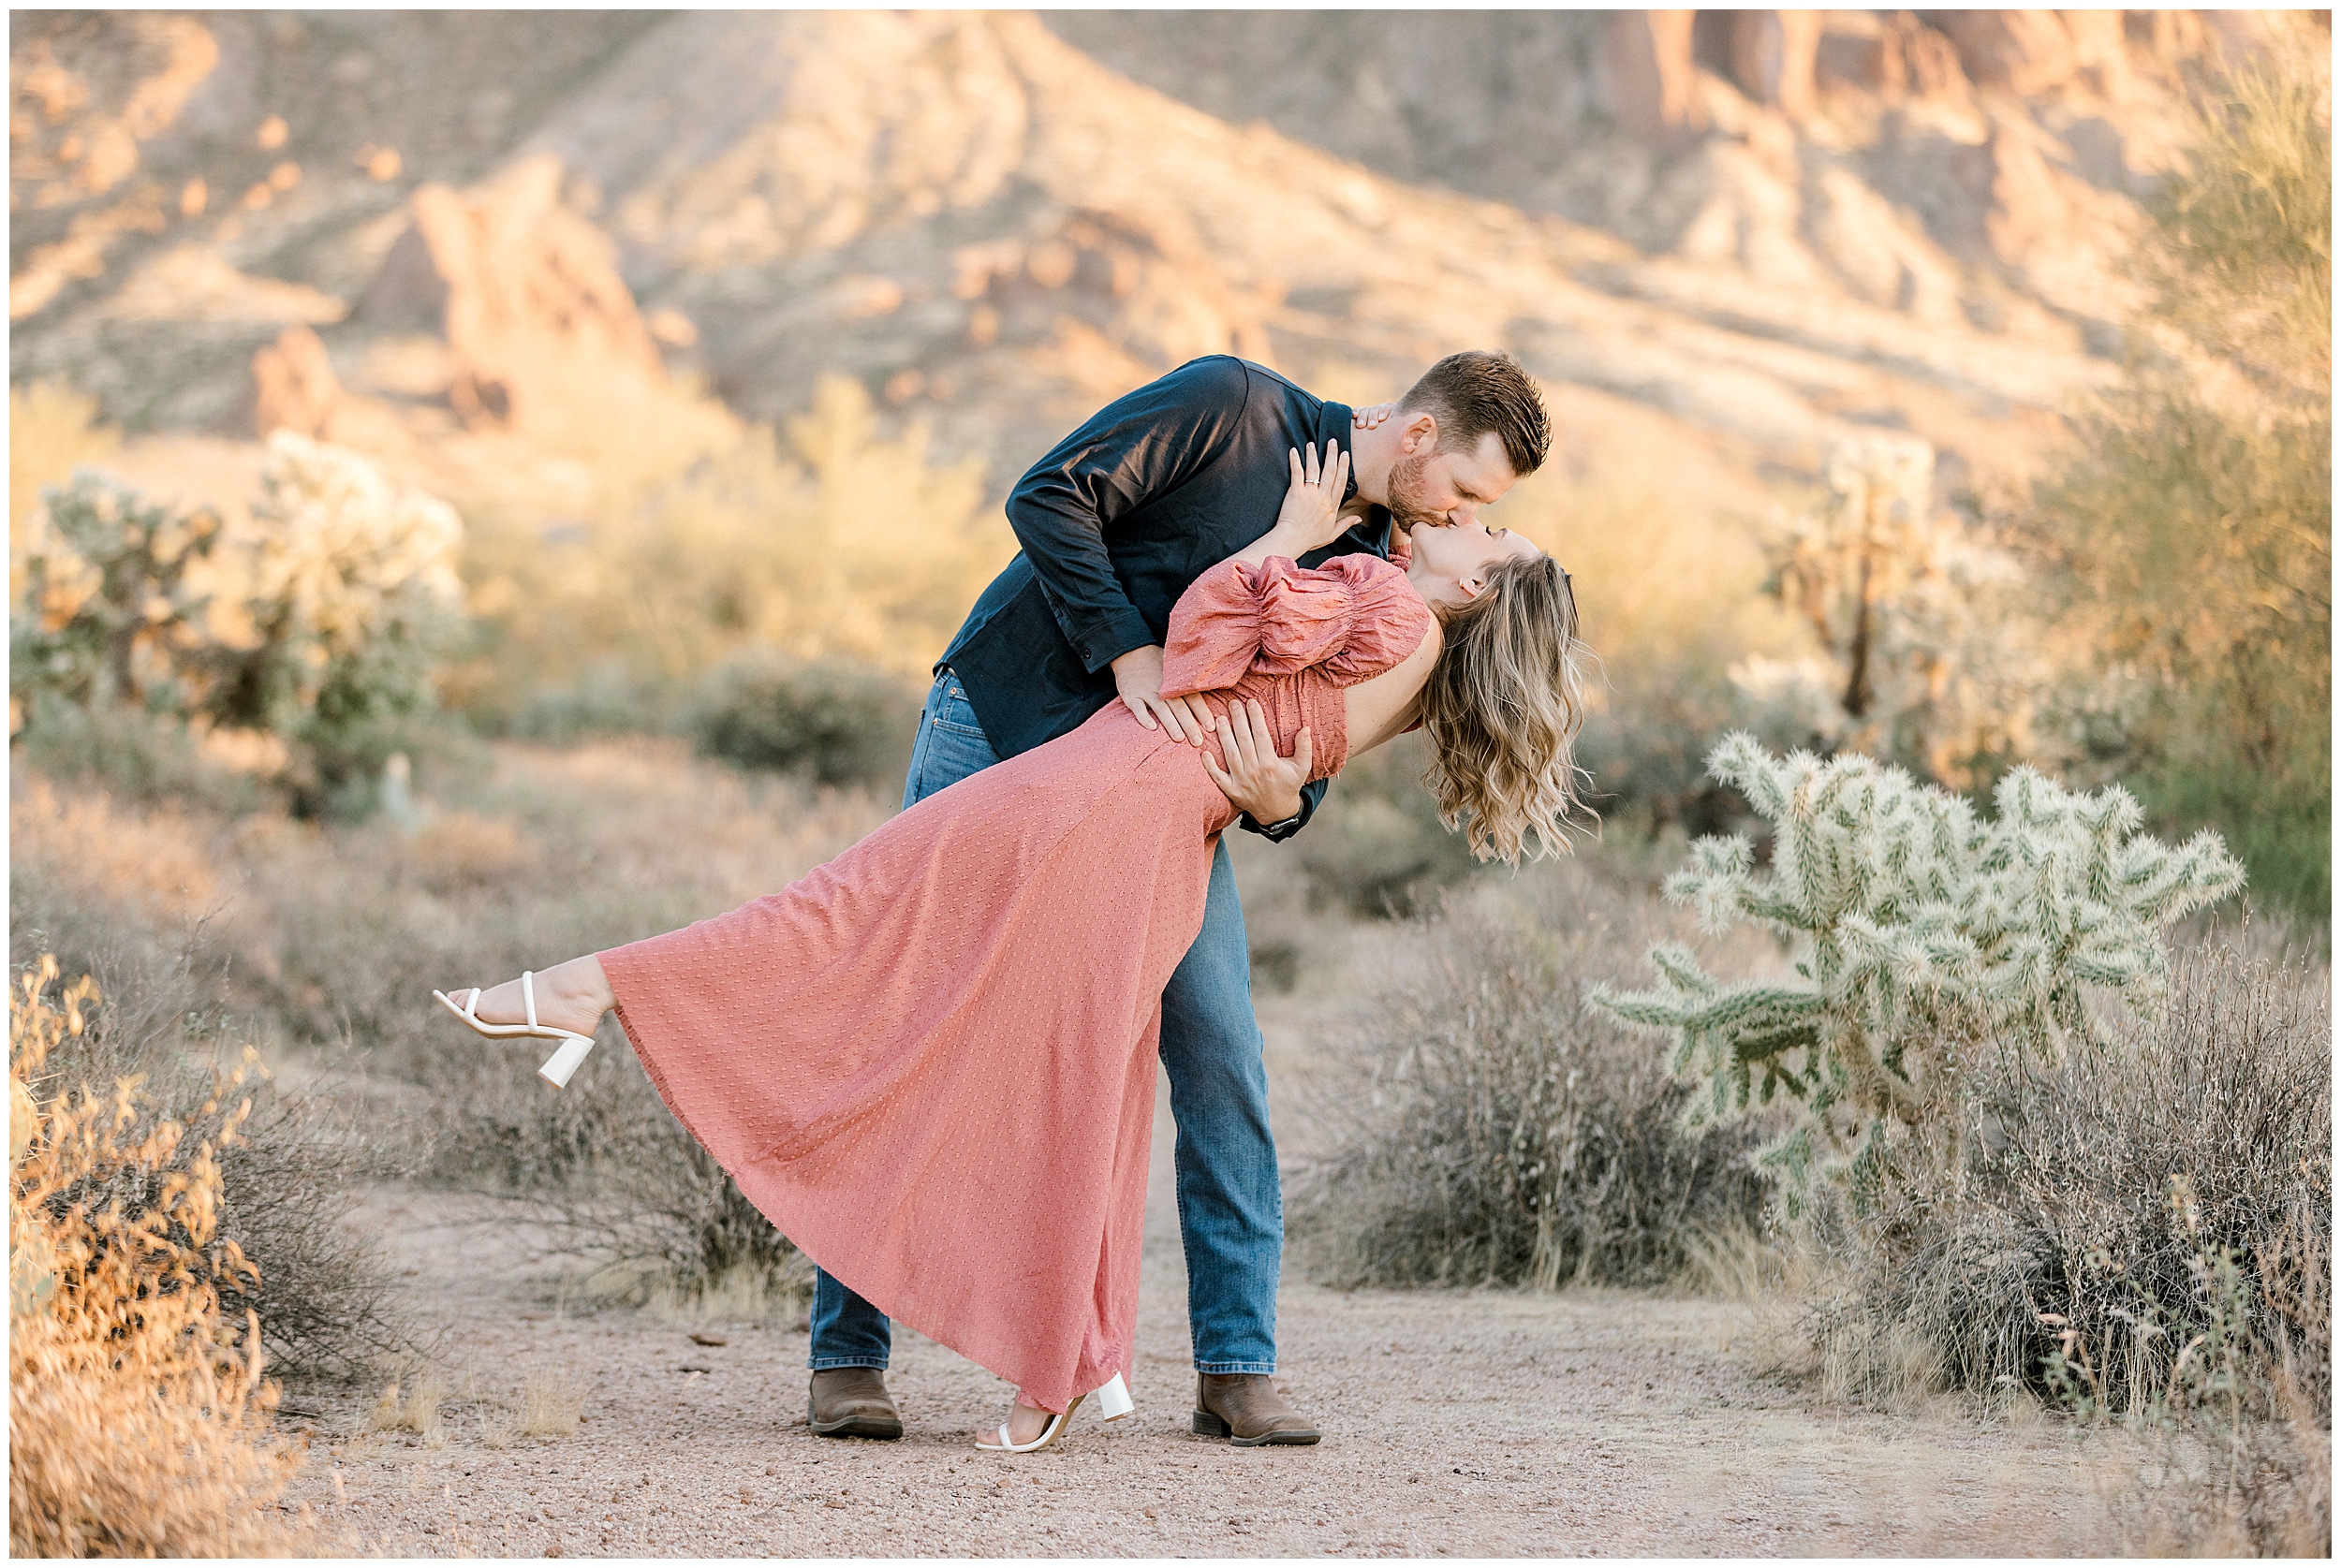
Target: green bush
[831, 720]
[2193, 524]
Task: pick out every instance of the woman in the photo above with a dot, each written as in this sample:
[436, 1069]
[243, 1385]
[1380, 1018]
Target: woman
[931, 1061]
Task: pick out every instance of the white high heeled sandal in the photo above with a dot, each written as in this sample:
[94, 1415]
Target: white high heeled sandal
[1113, 1400]
[562, 1064]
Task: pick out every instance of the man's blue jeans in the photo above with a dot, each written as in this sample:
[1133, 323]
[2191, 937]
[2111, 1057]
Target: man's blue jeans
[1231, 1205]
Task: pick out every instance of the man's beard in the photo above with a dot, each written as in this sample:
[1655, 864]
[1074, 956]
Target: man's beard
[1406, 495]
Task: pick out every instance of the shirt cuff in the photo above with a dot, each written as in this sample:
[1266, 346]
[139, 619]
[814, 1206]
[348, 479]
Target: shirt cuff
[1112, 636]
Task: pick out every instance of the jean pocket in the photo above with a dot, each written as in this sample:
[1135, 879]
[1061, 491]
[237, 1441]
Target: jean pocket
[957, 715]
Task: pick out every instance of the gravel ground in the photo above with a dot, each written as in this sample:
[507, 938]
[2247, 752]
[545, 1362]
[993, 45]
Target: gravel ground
[1478, 1424]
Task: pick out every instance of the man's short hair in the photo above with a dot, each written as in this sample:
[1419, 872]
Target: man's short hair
[1474, 392]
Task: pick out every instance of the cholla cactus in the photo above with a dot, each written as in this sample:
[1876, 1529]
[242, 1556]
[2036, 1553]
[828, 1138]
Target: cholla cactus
[342, 561]
[1907, 913]
[113, 594]
[319, 620]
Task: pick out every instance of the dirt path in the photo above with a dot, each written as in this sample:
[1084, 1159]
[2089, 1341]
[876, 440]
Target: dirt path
[1471, 1424]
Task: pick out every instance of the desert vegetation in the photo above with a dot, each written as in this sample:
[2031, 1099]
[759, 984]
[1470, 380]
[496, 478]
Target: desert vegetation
[138, 1400]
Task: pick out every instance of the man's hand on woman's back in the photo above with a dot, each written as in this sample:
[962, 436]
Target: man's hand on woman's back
[1258, 782]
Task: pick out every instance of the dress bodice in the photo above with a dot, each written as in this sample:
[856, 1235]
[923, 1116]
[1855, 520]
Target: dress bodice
[1293, 637]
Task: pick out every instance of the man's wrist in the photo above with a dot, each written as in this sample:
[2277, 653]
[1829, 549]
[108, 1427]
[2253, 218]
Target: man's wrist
[1274, 832]
[1276, 814]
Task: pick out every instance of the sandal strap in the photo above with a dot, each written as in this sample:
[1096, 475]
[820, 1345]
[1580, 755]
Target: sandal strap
[528, 994]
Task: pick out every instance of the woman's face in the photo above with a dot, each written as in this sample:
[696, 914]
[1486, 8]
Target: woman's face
[1450, 563]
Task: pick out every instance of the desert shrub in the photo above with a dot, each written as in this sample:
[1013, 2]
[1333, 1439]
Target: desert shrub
[2038, 1209]
[322, 1289]
[131, 900]
[133, 752]
[2234, 1453]
[2192, 527]
[619, 1185]
[138, 1414]
[1912, 922]
[831, 720]
[1491, 1128]
[1377, 846]
[824, 538]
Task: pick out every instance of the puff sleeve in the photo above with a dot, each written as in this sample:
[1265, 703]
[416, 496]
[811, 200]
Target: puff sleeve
[1354, 617]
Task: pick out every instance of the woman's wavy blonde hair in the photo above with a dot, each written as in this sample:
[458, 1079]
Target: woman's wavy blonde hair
[1502, 708]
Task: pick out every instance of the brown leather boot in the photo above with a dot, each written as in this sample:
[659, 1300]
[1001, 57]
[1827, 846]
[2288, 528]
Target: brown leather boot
[852, 1401]
[1246, 1409]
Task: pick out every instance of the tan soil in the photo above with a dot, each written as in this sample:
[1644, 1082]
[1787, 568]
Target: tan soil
[1462, 1423]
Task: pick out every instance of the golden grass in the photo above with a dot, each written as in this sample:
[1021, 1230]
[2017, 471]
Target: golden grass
[740, 1293]
[137, 1415]
[552, 1402]
[136, 863]
[415, 1409]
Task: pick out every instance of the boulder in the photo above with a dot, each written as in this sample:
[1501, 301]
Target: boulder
[526, 294]
[293, 384]
[1650, 82]
[1771, 57]
[2022, 51]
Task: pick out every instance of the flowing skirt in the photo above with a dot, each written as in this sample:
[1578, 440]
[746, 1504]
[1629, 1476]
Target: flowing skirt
[931, 1061]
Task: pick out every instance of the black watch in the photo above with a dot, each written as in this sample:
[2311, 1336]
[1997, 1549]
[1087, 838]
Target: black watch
[1277, 832]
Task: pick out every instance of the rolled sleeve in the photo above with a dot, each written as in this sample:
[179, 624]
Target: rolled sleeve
[1106, 638]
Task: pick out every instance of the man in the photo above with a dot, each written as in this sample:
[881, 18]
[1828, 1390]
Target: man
[1155, 488]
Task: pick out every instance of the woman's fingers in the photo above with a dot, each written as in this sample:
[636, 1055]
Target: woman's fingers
[1242, 756]
[1295, 454]
[1170, 716]
[1310, 459]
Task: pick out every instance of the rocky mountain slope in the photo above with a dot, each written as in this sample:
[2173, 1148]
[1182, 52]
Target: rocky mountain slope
[460, 239]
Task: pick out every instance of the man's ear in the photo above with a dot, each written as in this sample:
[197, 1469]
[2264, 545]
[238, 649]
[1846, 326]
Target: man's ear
[1420, 433]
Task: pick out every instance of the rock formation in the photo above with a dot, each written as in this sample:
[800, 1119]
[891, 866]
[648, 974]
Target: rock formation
[1758, 231]
[293, 386]
[524, 293]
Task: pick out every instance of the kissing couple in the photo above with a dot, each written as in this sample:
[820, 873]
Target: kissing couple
[931, 1061]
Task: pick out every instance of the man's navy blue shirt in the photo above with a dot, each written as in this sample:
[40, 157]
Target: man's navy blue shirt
[1152, 490]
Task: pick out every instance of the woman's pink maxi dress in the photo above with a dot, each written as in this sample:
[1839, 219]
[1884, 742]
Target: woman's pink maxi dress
[931, 1061]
